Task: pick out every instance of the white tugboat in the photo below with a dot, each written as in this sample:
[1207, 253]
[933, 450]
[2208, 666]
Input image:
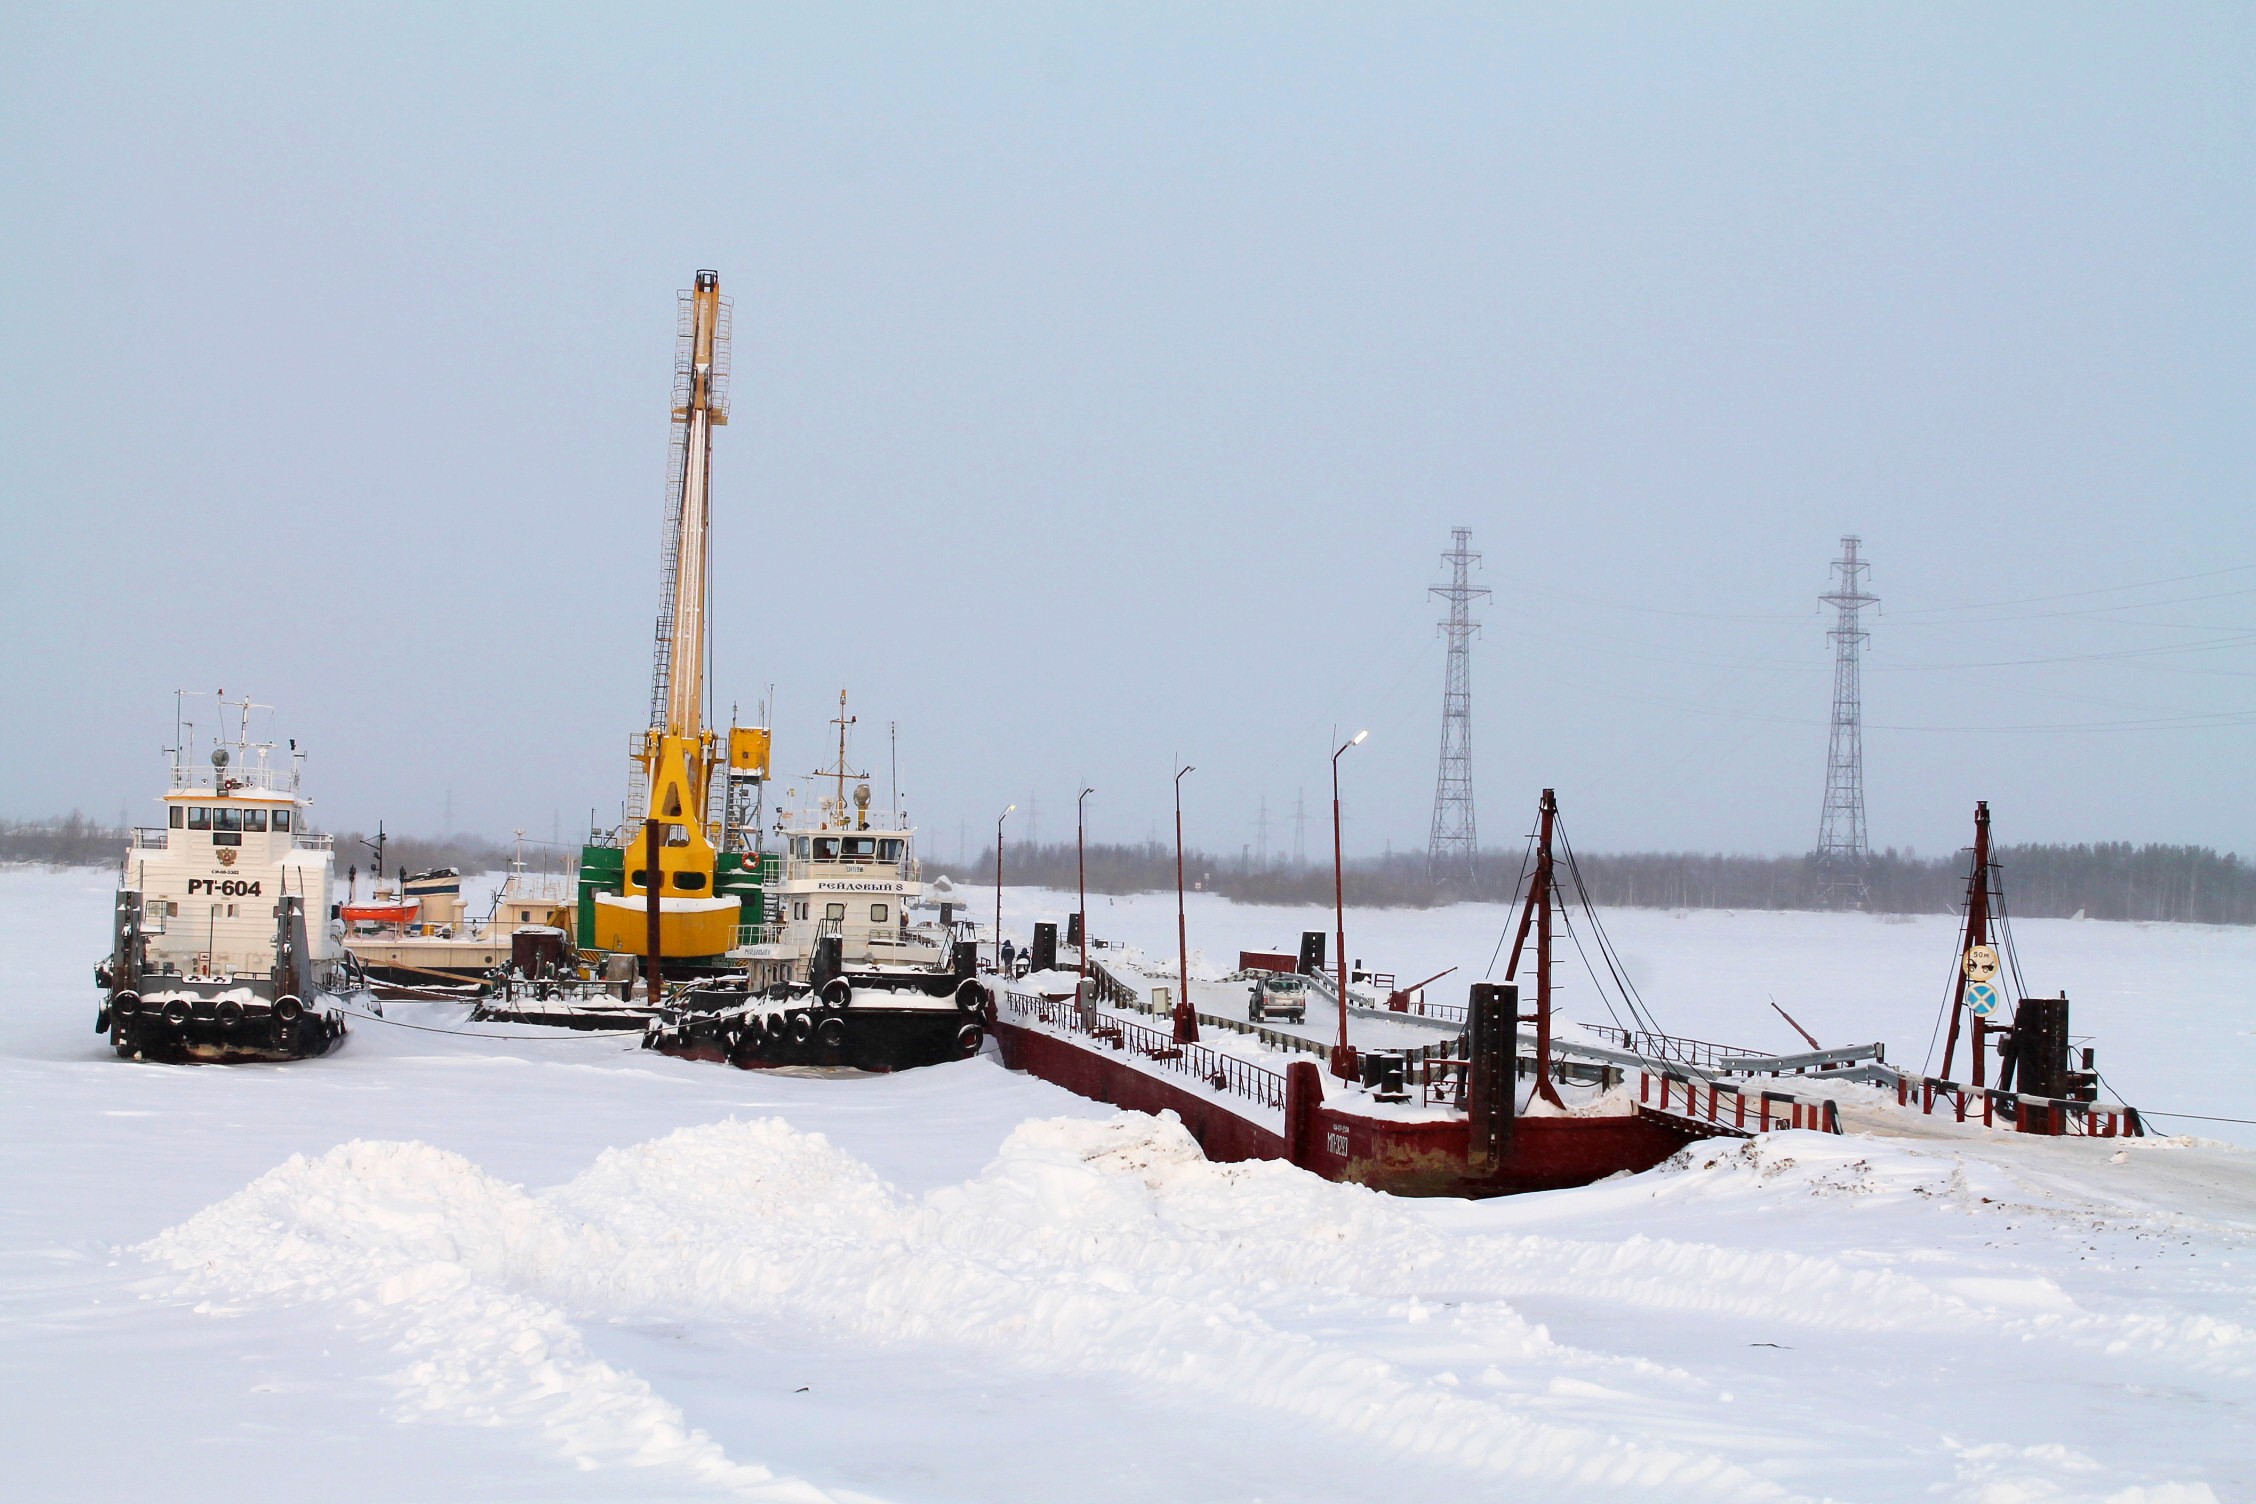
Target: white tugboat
[843, 974]
[220, 945]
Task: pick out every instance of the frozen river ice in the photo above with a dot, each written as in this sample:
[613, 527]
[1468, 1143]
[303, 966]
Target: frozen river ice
[434, 1267]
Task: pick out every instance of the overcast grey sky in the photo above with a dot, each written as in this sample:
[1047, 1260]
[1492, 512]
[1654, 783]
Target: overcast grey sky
[1107, 383]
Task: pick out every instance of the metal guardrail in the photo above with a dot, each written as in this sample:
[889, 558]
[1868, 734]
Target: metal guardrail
[159, 838]
[1693, 1052]
[1226, 1073]
[1727, 1102]
[1827, 1061]
[2058, 1117]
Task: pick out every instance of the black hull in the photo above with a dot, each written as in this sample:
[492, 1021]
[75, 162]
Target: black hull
[869, 1034]
[208, 1042]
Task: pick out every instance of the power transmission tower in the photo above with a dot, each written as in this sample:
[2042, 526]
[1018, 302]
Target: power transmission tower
[1261, 834]
[1300, 830]
[1842, 853]
[1454, 845]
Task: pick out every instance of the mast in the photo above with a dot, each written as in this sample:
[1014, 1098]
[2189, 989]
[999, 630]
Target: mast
[1537, 915]
[1977, 933]
[839, 771]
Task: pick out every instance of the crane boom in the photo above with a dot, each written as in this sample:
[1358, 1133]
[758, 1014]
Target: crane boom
[701, 404]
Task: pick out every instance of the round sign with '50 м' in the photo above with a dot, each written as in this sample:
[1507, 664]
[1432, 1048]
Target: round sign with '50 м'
[1981, 962]
[1982, 1000]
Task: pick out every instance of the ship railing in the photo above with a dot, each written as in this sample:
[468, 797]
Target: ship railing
[158, 838]
[1440, 1070]
[805, 822]
[1698, 1053]
[1416, 1006]
[2021, 1112]
[1741, 1108]
[260, 778]
[1220, 1072]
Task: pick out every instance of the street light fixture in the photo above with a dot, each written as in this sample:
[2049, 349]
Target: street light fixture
[1343, 1054]
[1081, 861]
[999, 819]
[1186, 1017]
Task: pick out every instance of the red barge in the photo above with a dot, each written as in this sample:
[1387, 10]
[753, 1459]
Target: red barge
[1469, 1116]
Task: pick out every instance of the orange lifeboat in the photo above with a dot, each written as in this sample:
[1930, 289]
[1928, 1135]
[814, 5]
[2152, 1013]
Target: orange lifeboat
[386, 911]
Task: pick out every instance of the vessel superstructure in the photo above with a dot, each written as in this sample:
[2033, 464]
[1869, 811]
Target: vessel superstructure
[221, 945]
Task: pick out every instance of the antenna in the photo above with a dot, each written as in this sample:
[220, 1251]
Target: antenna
[1842, 852]
[1453, 845]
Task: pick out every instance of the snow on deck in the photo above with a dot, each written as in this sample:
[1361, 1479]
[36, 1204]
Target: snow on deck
[435, 1267]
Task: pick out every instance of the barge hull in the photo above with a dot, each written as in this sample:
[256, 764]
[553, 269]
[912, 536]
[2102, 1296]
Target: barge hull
[1401, 1157]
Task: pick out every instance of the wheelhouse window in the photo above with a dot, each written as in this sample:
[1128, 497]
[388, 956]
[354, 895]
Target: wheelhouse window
[199, 817]
[861, 848]
[889, 851]
[826, 848]
[877, 913]
[227, 818]
[178, 813]
[255, 820]
[799, 847]
[282, 819]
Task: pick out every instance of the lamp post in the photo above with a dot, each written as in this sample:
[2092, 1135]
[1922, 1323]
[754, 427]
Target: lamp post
[999, 819]
[1081, 861]
[1343, 1054]
[1186, 1017]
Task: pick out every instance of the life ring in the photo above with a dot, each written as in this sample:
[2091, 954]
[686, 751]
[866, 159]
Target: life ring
[831, 1032]
[971, 997]
[968, 1040]
[837, 993]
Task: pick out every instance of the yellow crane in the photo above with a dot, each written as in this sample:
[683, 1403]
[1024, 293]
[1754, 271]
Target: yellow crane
[679, 756]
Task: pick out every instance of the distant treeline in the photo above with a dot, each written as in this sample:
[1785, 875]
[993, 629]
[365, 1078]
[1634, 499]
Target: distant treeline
[2109, 880]
[72, 841]
[75, 841]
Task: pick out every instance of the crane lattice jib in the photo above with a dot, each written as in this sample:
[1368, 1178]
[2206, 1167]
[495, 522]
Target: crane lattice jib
[677, 689]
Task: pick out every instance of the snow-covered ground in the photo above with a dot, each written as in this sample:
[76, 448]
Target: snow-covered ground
[435, 1267]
